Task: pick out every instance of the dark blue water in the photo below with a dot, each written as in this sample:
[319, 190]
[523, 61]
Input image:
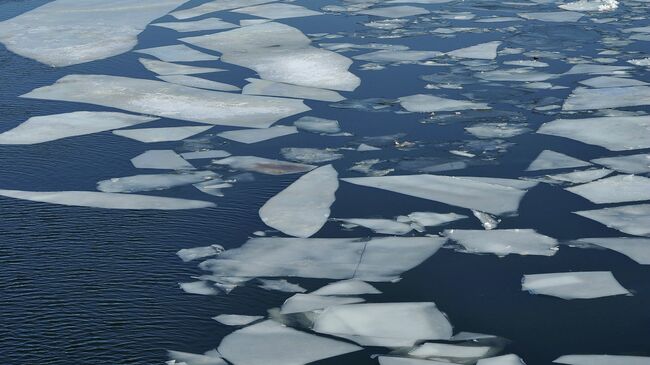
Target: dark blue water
[90, 286]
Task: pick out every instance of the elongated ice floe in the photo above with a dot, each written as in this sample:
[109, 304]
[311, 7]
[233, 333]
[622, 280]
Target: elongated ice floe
[264, 165]
[613, 133]
[502, 242]
[379, 259]
[422, 103]
[198, 25]
[495, 196]
[575, 177]
[168, 68]
[52, 127]
[430, 219]
[309, 155]
[170, 100]
[502, 360]
[630, 219]
[277, 11]
[389, 56]
[281, 53]
[574, 285]
[68, 32]
[94, 199]
[197, 155]
[209, 358]
[638, 249]
[483, 51]
[632, 164]
[383, 226]
[198, 82]
[553, 16]
[160, 159]
[393, 360]
[195, 253]
[271, 343]
[347, 287]
[602, 360]
[318, 125]
[271, 88]
[136, 183]
[384, 324]
[591, 5]
[150, 135]
[550, 160]
[400, 11]
[177, 53]
[258, 135]
[300, 303]
[281, 285]
[615, 189]
[236, 319]
[303, 207]
[613, 97]
[214, 6]
[432, 350]
[610, 81]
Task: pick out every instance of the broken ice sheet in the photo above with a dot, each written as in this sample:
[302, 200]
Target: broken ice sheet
[68, 32]
[214, 6]
[638, 249]
[422, 103]
[277, 11]
[168, 68]
[347, 287]
[209, 358]
[575, 177]
[150, 135]
[281, 285]
[612, 97]
[198, 82]
[382, 226]
[236, 319]
[160, 159]
[630, 219]
[502, 242]
[177, 53]
[270, 88]
[271, 343]
[106, 200]
[257, 135]
[400, 11]
[151, 182]
[632, 164]
[615, 189]
[52, 127]
[303, 207]
[317, 125]
[602, 360]
[483, 51]
[384, 324]
[551, 160]
[300, 303]
[197, 26]
[264, 165]
[309, 155]
[170, 100]
[494, 196]
[189, 254]
[614, 133]
[574, 285]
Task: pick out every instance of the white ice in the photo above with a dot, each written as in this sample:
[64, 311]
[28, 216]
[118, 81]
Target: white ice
[483, 51]
[638, 249]
[198, 287]
[388, 56]
[264, 165]
[198, 82]
[382, 226]
[490, 130]
[52, 127]
[602, 360]
[151, 135]
[422, 103]
[177, 53]
[186, 358]
[553, 16]
[551, 160]
[189, 254]
[197, 155]
[400, 11]
[236, 319]
[347, 287]
[632, 164]
[574, 285]
[303, 207]
[575, 177]
[615, 189]
[198, 25]
[591, 5]
[257, 135]
[604, 98]
[149, 182]
[160, 159]
[281, 285]
[300, 303]
[430, 219]
[214, 6]
[309, 155]
[502, 360]
[271, 88]
[610, 81]
[317, 125]
[390, 360]
[168, 68]
[277, 11]
[432, 350]
[502, 242]
[630, 219]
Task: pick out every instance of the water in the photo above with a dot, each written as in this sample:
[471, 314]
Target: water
[89, 286]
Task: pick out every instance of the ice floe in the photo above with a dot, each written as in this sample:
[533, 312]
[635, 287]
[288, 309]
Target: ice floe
[638, 249]
[591, 5]
[300, 303]
[574, 285]
[309, 155]
[383, 226]
[391, 360]
[632, 164]
[303, 207]
[611, 97]
[610, 81]
[199, 287]
[387, 56]
[150, 135]
[574, 177]
[630, 219]
[189, 254]
[151, 182]
[400, 11]
[160, 159]
[198, 25]
[264, 165]
[553, 16]
[204, 154]
[258, 135]
[430, 219]
[318, 125]
[170, 100]
[68, 32]
[432, 350]
[177, 53]
[214, 6]
[281, 285]
[211, 357]
[497, 130]
[198, 82]
[484, 51]
[502, 360]
[168, 68]
[52, 127]
[602, 360]
[502, 242]
[347, 287]
[422, 103]
[551, 160]
[270, 88]
[236, 319]
[615, 189]
[277, 11]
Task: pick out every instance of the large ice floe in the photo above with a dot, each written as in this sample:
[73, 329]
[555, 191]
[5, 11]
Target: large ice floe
[631, 164]
[574, 285]
[615, 189]
[630, 219]
[69, 32]
[602, 360]
[171, 101]
[177, 53]
[611, 97]
[214, 6]
[258, 135]
[484, 51]
[160, 159]
[271, 88]
[422, 103]
[502, 242]
[491, 195]
[150, 135]
[303, 207]
[280, 53]
[150, 182]
[550, 160]
[638, 249]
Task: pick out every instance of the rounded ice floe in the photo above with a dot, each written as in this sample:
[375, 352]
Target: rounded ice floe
[574, 285]
[347, 287]
[236, 319]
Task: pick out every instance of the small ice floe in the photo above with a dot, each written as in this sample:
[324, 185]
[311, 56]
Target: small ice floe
[277, 11]
[422, 103]
[382, 226]
[574, 285]
[211, 357]
[271, 88]
[271, 343]
[510, 359]
[264, 165]
[430, 219]
[483, 51]
[310, 155]
[442, 351]
[632, 164]
[392, 360]
[551, 160]
[249, 136]
[520, 74]
[494, 196]
[497, 130]
[199, 287]
[177, 53]
[94, 199]
[197, 155]
[499, 19]
[214, 6]
[151, 135]
[384, 324]
[575, 177]
[591, 5]
[213, 187]
[366, 148]
[236, 319]
[281, 285]
[630, 219]
[280, 53]
[487, 221]
[198, 83]
[318, 125]
[160, 159]
[612, 97]
[640, 62]
[168, 68]
[553, 16]
[64, 32]
[171, 101]
[378, 259]
[502, 242]
[591, 69]
[638, 249]
[397, 56]
[300, 303]
[400, 11]
[53, 127]
[197, 25]
[613, 133]
[366, 167]
[615, 189]
[610, 81]
[347, 287]
[189, 254]
[303, 207]
[602, 360]
[151, 182]
[526, 63]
